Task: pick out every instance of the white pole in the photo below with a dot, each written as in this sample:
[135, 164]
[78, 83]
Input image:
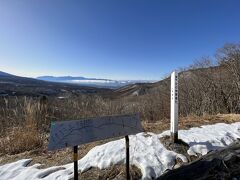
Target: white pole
[174, 106]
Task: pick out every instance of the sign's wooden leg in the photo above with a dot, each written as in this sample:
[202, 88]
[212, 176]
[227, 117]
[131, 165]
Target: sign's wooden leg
[75, 161]
[127, 158]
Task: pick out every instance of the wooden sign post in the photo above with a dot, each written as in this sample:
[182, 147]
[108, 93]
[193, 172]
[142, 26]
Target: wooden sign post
[174, 107]
[75, 162]
[73, 133]
[127, 158]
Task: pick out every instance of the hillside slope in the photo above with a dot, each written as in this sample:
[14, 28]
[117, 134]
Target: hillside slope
[139, 89]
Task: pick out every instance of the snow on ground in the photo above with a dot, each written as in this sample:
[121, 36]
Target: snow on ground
[146, 152]
[209, 137]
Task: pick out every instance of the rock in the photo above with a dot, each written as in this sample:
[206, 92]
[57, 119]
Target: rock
[221, 164]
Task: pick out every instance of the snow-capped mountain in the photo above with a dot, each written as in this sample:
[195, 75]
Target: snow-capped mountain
[90, 81]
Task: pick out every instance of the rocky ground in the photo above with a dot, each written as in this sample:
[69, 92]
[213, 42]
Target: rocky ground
[222, 164]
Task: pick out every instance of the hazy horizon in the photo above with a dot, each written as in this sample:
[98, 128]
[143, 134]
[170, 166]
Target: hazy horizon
[22, 75]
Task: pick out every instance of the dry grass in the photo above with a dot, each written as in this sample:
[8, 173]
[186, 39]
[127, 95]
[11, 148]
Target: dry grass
[195, 121]
[114, 172]
[21, 139]
[191, 121]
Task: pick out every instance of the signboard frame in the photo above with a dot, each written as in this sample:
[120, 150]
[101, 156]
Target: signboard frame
[76, 132]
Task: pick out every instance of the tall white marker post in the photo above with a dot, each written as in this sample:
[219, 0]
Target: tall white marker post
[174, 107]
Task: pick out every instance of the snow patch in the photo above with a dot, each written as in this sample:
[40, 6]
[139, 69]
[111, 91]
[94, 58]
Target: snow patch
[146, 152]
[208, 137]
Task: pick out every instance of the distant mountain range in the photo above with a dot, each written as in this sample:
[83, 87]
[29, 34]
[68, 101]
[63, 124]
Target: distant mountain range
[12, 85]
[90, 81]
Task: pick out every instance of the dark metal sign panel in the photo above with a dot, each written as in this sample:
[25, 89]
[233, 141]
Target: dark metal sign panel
[72, 133]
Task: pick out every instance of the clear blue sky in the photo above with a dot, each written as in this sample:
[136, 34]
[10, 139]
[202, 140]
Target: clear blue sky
[117, 39]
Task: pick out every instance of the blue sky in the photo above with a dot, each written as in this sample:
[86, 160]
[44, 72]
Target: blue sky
[117, 39]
